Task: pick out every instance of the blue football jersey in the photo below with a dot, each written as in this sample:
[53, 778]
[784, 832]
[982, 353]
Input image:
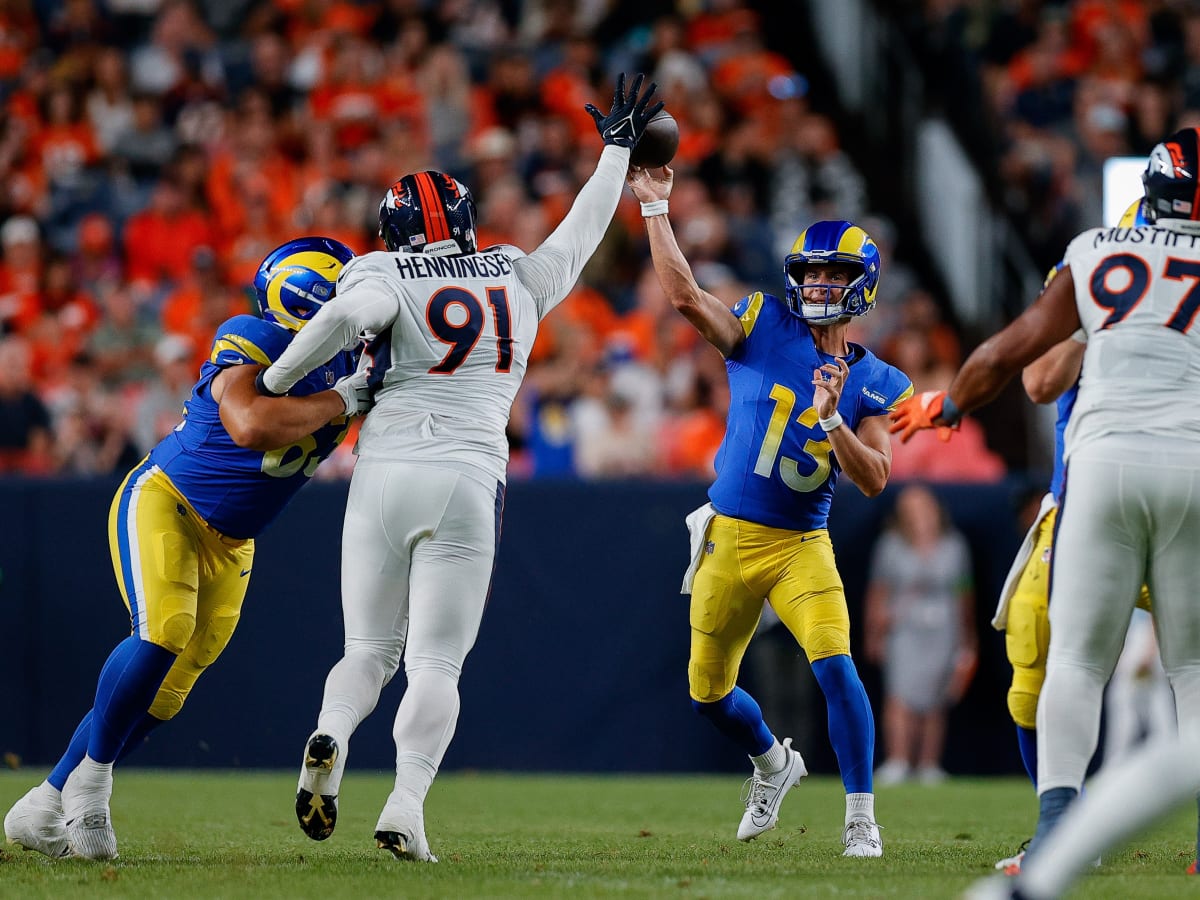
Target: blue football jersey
[775, 465]
[235, 490]
[1064, 405]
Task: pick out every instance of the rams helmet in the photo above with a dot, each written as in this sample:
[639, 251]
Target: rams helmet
[1134, 215]
[428, 212]
[298, 278]
[832, 242]
[1172, 178]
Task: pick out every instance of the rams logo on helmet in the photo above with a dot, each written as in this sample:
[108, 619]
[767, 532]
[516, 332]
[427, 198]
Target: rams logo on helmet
[297, 278]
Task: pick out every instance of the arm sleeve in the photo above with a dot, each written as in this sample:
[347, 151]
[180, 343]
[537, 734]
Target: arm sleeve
[336, 325]
[551, 270]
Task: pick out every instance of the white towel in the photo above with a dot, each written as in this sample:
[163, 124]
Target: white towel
[1000, 619]
[697, 522]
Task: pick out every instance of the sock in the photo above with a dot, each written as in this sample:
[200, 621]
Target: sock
[771, 761]
[860, 806]
[128, 682]
[1027, 743]
[414, 774]
[1119, 802]
[1052, 803]
[738, 717]
[75, 752]
[90, 773]
[851, 724]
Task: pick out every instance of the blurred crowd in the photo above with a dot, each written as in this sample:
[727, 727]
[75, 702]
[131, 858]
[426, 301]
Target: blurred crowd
[1049, 89]
[152, 152]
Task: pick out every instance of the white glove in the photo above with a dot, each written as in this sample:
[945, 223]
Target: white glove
[355, 393]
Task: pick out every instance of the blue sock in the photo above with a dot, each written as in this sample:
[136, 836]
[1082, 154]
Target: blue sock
[128, 682]
[1051, 805]
[851, 724]
[79, 744]
[75, 751]
[1027, 742]
[738, 717]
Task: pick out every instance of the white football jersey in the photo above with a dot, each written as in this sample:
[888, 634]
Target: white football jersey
[452, 334]
[1138, 295]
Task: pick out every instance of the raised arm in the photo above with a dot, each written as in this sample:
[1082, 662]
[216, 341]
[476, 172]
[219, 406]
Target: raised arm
[712, 318]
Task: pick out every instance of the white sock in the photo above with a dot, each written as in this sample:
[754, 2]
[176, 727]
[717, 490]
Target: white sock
[414, 775]
[91, 772]
[48, 792]
[1118, 803]
[860, 806]
[771, 761]
[1068, 722]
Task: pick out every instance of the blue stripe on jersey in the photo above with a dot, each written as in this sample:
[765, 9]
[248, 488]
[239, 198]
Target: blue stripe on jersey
[1065, 404]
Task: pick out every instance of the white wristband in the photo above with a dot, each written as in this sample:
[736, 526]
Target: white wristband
[1079, 336]
[654, 208]
[833, 423]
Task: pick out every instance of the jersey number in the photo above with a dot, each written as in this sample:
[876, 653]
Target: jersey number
[816, 451]
[301, 456]
[1121, 303]
[463, 334]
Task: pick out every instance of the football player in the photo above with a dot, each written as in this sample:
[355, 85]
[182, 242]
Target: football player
[1022, 612]
[805, 405]
[1129, 514]
[455, 324]
[181, 531]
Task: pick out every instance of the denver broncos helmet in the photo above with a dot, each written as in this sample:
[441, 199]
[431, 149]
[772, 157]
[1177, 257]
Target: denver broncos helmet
[297, 278]
[1172, 178]
[832, 242]
[428, 212]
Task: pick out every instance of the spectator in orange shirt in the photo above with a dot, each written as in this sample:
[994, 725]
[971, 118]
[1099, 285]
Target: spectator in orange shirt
[64, 318]
[159, 240]
[66, 145]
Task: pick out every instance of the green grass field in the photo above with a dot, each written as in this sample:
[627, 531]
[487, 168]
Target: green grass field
[233, 834]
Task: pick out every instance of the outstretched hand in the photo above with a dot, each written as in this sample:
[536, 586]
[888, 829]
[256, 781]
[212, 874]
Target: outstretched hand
[624, 123]
[918, 413]
[649, 185]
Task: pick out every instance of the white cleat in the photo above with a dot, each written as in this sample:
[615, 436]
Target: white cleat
[90, 833]
[401, 831]
[36, 822]
[316, 793]
[766, 792]
[861, 838]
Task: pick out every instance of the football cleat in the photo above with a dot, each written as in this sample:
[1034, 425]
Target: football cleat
[765, 792]
[1013, 862]
[401, 831]
[36, 822]
[316, 810]
[88, 820]
[861, 838]
[1191, 870]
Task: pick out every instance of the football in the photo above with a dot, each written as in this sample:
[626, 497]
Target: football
[658, 142]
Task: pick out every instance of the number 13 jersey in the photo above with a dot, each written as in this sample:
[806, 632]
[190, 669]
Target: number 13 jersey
[775, 465]
[1138, 293]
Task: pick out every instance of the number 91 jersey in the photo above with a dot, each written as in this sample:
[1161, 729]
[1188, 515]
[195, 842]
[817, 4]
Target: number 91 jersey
[1138, 293]
[236, 490]
[776, 466]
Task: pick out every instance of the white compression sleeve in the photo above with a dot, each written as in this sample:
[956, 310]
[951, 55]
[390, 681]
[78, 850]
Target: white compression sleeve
[550, 271]
[331, 330]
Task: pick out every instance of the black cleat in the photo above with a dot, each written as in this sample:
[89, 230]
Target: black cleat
[394, 842]
[317, 812]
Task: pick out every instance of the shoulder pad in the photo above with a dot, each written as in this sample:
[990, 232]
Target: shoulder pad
[248, 339]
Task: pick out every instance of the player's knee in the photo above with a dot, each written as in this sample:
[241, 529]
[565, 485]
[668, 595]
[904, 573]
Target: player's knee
[1022, 706]
[826, 641]
[167, 704]
[176, 632]
[703, 687]
[382, 655]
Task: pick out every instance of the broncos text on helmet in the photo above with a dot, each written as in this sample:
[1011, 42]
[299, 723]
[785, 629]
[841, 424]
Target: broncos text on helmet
[828, 243]
[298, 278]
[1172, 178]
[428, 212]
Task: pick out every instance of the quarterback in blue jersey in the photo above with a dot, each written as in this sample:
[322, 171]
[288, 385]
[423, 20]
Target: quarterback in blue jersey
[182, 529]
[806, 404]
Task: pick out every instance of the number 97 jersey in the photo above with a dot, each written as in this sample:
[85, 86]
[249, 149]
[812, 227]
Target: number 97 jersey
[1138, 294]
[776, 466]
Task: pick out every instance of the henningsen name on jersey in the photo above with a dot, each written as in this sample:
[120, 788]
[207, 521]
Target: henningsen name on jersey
[477, 265]
[1146, 234]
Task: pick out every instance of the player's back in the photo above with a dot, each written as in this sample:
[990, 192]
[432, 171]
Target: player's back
[453, 359]
[1138, 293]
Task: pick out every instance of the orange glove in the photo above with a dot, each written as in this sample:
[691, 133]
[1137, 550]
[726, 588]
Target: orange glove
[917, 413]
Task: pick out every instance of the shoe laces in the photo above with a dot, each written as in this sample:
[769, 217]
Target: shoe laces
[754, 793]
[860, 831]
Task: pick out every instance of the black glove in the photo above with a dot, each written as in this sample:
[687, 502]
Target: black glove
[625, 122]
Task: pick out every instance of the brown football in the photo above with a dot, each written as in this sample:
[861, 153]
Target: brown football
[658, 143]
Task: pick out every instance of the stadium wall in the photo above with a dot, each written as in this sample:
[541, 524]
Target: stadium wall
[580, 663]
